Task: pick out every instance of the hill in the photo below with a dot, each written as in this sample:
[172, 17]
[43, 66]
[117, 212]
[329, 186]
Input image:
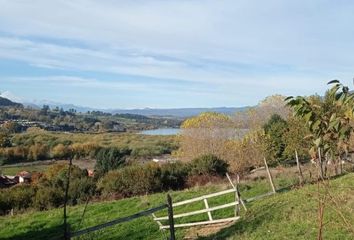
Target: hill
[4, 102]
[290, 214]
[180, 112]
[166, 112]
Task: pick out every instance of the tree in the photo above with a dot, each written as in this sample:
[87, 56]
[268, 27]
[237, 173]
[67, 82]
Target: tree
[328, 120]
[208, 165]
[257, 116]
[5, 140]
[205, 134]
[275, 130]
[45, 110]
[296, 139]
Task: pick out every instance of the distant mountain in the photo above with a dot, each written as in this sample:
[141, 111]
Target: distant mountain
[171, 112]
[64, 106]
[180, 112]
[4, 102]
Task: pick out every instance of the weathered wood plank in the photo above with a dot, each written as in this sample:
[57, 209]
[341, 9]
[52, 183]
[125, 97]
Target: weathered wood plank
[269, 175]
[232, 184]
[203, 223]
[201, 198]
[207, 208]
[198, 211]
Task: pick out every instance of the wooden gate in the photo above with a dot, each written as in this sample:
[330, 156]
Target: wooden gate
[236, 204]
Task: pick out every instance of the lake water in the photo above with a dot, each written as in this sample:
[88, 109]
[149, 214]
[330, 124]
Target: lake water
[161, 131]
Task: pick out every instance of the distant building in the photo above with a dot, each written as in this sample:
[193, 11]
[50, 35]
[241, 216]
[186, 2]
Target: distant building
[24, 177]
[6, 181]
[90, 173]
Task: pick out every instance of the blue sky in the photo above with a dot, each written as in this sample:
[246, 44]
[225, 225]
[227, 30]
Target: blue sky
[177, 53]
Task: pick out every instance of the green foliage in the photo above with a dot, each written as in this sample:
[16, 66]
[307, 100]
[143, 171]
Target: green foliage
[5, 140]
[149, 178]
[275, 129]
[51, 187]
[110, 158]
[295, 139]
[18, 198]
[208, 165]
[328, 119]
[132, 180]
[173, 176]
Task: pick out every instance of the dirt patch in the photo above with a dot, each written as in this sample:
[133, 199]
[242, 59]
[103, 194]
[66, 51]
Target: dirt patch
[206, 230]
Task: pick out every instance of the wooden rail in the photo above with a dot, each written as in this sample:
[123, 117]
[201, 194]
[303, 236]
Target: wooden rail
[117, 221]
[201, 198]
[206, 210]
[202, 223]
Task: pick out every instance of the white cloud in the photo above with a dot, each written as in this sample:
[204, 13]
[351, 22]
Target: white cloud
[262, 46]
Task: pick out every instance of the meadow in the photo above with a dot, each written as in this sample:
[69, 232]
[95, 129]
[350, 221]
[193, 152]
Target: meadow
[289, 214]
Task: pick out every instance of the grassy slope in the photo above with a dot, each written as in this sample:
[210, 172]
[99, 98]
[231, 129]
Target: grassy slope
[287, 215]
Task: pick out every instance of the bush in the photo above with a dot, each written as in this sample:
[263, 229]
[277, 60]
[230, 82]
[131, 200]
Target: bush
[18, 198]
[208, 165]
[109, 159]
[173, 176]
[132, 180]
[51, 187]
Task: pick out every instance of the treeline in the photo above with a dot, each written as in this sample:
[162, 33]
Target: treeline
[275, 130]
[268, 130]
[114, 178]
[58, 119]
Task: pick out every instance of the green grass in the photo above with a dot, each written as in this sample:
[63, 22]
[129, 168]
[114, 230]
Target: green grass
[291, 214]
[17, 169]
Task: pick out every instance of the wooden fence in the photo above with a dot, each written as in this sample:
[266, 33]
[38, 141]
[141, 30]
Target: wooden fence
[207, 210]
[130, 218]
[236, 203]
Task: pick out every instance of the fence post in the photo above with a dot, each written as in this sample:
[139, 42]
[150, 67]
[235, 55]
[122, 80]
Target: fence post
[66, 225]
[269, 175]
[237, 193]
[170, 217]
[301, 177]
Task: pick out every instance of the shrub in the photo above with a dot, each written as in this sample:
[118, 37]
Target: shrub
[173, 176]
[18, 198]
[109, 159]
[131, 180]
[60, 151]
[208, 165]
[51, 187]
[38, 152]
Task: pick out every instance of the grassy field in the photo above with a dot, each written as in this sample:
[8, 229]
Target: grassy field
[41, 166]
[290, 214]
[14, 170]
[131, 140]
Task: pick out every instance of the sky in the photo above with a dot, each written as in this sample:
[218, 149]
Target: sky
[170, 54]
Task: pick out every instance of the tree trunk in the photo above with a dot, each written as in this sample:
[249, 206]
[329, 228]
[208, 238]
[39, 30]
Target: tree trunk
[301, 177]
[320, 165]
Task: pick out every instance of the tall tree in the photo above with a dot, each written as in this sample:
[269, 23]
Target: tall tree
[328, 120]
